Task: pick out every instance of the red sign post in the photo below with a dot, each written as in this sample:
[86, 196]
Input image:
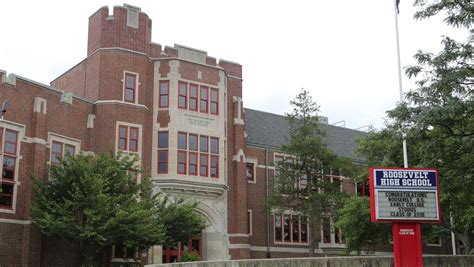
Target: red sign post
[406, 197]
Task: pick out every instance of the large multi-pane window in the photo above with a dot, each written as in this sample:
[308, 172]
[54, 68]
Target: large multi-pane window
[200, 153]
[163, 144]
[197, 98]
[9, 155]
[289, 228]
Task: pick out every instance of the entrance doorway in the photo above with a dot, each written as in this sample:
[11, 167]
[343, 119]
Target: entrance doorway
[174, 253]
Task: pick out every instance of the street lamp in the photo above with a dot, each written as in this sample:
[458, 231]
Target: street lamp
[5, 106]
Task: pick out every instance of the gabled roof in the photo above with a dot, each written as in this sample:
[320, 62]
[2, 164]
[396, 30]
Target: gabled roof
[271, 130]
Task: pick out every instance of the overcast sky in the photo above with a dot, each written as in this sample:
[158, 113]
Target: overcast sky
[343, 52]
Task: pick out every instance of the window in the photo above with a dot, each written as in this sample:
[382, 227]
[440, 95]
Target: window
[203, 158]
[182, 162]
[193, 97]
[56, 152]
[203, 143]
[214, 101]
[192, 163]
[290, 228]
[130, 87]
[363, 188]
[193, 142]
[164, 94]
[193, 150]
[133, 141]
[214, 166]
[250, 167]
[9, 159]
[214, 145]
[181, 140]
[163, 152]
[11, 138]
[128, 138]
[122, 143]
[122, 252]
[204, 99]
[214, 157]
[203, 162]
[61, 150]
[182, 95]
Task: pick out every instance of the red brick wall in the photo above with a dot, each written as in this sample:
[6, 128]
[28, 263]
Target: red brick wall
[113, 31]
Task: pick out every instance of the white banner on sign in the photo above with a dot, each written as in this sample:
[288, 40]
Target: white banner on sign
[406, 205]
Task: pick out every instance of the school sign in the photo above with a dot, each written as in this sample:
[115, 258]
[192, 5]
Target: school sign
[404, 195]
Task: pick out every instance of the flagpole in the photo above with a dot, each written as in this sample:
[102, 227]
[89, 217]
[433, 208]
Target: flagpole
[400, 87]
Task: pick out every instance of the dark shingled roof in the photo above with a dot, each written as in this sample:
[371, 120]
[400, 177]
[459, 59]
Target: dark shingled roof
[271, 130]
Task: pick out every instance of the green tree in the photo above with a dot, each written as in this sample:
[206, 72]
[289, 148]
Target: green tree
[359, 232]
[95, 203]
[301, 181]
[438, 118]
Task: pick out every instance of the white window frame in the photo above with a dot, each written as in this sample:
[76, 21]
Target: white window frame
[65, 140]
[137, 86]
[128, 152]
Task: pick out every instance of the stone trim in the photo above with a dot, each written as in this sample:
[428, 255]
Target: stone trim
[22, 222]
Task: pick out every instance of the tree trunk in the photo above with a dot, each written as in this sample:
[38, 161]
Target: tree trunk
[466, 242]
[314, 229]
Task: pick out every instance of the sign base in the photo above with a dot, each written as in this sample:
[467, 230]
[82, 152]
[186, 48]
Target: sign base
[407, 245]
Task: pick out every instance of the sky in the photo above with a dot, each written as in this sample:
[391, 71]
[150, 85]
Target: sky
[343, 52]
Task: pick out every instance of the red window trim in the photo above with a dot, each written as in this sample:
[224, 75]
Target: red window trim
[214, 102]
[207, 143]
[195, 165]
[216, 167]
[201, 89]
[134, 89]
[194, 86]
[197, 142]
[185, 95]
[282, 230]
[167, 133]
[167, 161]
[10, 207]
[182, 163]
[185, 140]
[201, 164]
[167, 94]
[10, 142]
[210, 145]
[130, 139]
